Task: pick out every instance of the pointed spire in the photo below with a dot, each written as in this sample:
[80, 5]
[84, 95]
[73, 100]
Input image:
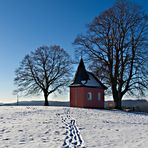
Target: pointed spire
[81, 54]
[81, 73]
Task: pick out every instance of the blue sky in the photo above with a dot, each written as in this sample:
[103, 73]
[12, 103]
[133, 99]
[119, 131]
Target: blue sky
[28, 24]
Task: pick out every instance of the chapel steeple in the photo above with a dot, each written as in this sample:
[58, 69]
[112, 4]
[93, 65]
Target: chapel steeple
[81, 74]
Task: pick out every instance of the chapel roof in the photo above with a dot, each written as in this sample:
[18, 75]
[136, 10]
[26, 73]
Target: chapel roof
[86, 79]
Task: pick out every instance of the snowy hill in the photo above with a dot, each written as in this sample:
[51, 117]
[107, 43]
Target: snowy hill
[56, 127]
[37, 103]
[133, 103]
[138, 105]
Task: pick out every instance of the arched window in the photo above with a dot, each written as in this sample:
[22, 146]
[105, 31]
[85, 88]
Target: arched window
[99, 96]
[89, 96]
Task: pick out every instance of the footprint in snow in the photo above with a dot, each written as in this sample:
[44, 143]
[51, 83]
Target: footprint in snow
[22, 141]
[73, 136]
[6, 139]
[44, 139]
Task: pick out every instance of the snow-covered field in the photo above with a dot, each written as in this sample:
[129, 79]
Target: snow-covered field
[57, 127]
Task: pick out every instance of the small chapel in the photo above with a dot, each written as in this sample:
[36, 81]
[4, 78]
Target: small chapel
[86, 90]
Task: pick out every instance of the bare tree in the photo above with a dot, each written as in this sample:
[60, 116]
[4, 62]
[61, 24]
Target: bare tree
[46, 70]
[116, 46]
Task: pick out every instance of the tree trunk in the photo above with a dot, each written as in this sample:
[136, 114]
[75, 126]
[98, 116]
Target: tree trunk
[118, 104]
[117, 96]
[46, 99]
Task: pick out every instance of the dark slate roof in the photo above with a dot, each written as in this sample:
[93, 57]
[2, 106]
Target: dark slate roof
[85, 78]
[81, 73]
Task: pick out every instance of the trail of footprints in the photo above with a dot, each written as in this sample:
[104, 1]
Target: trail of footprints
[73, 137]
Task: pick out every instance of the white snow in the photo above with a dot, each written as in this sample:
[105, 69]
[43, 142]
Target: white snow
[92, 81]
[51, 127]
